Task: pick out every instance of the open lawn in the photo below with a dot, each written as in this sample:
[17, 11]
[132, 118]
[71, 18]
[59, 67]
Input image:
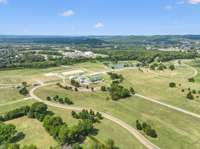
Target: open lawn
[9, 94]
[34, 133]
[157, 86]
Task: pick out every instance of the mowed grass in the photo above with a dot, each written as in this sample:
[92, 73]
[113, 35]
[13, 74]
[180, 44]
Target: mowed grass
[29, 75]
[157, 86]
[90, 67]
[34, 133]
[175, 129]
[9, 94]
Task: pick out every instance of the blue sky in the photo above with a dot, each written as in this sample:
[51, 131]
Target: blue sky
[99, 17]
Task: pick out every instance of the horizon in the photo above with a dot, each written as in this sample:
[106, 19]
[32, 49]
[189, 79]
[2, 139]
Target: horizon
[92, 18]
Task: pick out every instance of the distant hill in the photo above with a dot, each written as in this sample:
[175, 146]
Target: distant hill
[51, 40]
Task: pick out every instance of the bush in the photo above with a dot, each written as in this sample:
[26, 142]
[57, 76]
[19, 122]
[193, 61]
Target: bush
[138, 125]
[38, 110]
[194, 92]
[146, 128]
[172, 67]
[88, 115]
[117, 92]
[132, 91]
[172, 84]
[103, 88]
[75, 83]
[16, 113]
[190, 96]
[191, 80]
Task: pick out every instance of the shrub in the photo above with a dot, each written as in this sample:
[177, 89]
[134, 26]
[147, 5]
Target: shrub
[103, 88]
[190, 96]
[172, 84]
[172, 67]
[191, 80]
[132, 91]
[138, 125]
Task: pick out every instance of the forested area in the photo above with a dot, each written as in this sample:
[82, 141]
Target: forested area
[147, 56]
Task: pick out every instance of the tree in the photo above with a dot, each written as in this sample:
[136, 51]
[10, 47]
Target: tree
[191, 80]
[152, 133]
[117, 91]
[23, 91]
[190, 96]
[53, 124]
[138, 125]
[75, 83]
[172, 84]
[38, 110]
[103, 88]
[132, 91]
[172, 67]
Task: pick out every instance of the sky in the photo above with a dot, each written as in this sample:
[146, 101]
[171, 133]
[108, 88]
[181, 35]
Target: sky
[99, 17]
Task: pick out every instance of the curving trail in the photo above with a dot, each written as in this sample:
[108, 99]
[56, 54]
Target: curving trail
[121, 123]
[194, 69]
[168, 105]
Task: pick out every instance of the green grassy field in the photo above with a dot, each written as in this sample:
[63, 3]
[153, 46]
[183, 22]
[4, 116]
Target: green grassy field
[175, 130]
[9, 94]
[36, 134]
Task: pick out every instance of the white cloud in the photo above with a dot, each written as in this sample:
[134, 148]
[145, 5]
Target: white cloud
[168, 7]
[99, 25]
[194, 2]
[68, 13]
[3, 1]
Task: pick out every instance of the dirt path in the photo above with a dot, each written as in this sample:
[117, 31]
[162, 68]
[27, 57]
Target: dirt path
[168, 106]
[194, 69]
[124, 125]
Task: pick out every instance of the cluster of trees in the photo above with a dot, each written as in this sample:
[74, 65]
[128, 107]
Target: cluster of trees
[11, 58]
[88, 115]
[8, 135]
[23, 88]
[191, 94]
[75, 83]
[146, 56]
[146, 128]
[38, 111]
[16, 113]
[191, 80]
[65, 87]
[115, 76]
[65, 134]
[117, 91]
[61, 100]
[161, 66]
[56, 127]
